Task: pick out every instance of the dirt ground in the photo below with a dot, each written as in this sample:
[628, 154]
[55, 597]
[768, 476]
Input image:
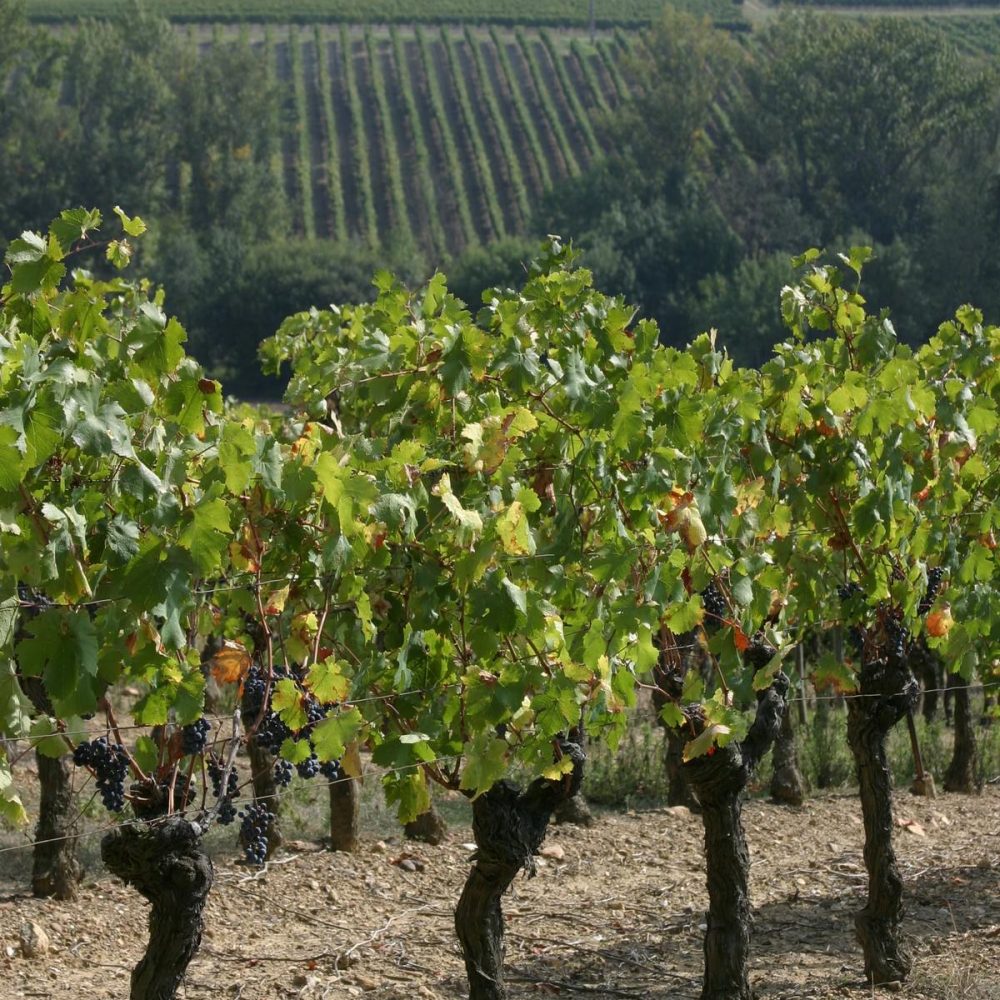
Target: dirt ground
[616, 910]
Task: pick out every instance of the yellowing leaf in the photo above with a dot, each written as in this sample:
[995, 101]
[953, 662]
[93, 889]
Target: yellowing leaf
[704, 742]
[512, 528]
[275, 602]
[327, 682]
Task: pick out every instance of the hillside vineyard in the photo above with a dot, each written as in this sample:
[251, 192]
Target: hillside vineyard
[440, 136]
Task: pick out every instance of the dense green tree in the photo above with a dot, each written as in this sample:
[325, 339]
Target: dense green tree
[230, 294]
[31, 124]
[856, 108]
[122, 120]
[227, 129]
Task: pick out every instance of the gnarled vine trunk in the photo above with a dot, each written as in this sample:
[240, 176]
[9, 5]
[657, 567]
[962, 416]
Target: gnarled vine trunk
[56, 869]
[345, 813]
[166, 864]
[888, 690]
[428, 827]
[961, 773]
[787, 784]
[718, 781]
[508, 824]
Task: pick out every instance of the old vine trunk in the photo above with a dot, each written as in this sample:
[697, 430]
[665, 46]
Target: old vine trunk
[961, 773]
[718, 781]
[508, 824]
[787, 784]
[888, 690]
[166, 864]
[56, 868]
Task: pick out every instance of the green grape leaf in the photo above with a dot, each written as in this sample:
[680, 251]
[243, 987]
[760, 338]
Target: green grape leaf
[331, 736]
[486, 763]
[289, 705]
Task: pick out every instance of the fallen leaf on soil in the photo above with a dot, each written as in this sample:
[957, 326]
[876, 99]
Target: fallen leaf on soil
[913, 826]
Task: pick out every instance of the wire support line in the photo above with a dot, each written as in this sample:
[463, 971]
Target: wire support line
[440, 689]
[194, 818]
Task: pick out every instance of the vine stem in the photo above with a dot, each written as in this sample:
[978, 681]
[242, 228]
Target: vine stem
[109, 713]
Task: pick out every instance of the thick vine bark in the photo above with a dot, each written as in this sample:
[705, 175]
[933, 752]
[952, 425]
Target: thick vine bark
[345, 812]
[166, 864]
[56, 869]
[509, 825]
[428, 827]
[787, 784]
[718, 781]
[961, 773]
[928, 666]
[574, 811]
[679, 790]
[888, 690]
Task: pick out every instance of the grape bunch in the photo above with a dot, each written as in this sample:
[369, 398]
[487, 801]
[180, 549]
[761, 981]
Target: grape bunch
[934, 579]
[254, 689]
[309, 767]
[331, 770]
[848, 591]
[273, 732]
[109, 762]
[194, 738]
[283, 770]
[897, 638]
[227, 811]
[256, 821]
[714, 604]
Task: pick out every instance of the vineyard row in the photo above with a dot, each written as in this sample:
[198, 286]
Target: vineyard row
[424, 137]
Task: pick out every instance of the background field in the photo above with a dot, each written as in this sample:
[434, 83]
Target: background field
[608, 12]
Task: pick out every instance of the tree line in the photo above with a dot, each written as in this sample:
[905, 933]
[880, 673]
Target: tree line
[733, 152]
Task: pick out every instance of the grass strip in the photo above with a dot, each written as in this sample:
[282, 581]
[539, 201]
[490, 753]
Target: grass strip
[474, 138]
[383, 123]
[569, 92]
[566, 151]
[512, 162]
[303, 165]
[332, 165]
[439, 244]
[362, 167]
[525, 119]
[447, 139]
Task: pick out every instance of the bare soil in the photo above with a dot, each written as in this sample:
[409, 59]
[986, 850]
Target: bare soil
[614, 911]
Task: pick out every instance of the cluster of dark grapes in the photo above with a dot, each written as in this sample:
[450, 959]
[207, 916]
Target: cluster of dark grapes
[309, 767]
[331, 770]
[256, 821]
[272, 732]
[849, 590]
[897, 638]
[714, 603]
[194, 738]
[934, 578]
[109, 762]
[254, 689]
[227, 811]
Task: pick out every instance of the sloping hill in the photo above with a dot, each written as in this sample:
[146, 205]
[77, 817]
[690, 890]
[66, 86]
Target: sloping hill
[441, 137]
